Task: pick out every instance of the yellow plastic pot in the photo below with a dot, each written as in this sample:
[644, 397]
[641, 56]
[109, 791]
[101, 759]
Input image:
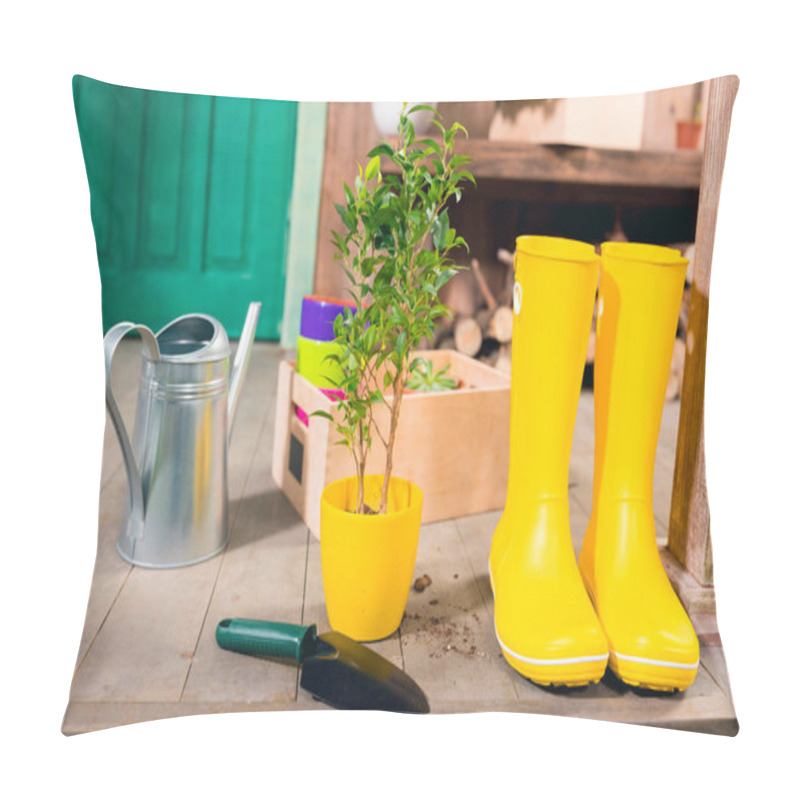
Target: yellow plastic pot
[368, 559]
[314, 364]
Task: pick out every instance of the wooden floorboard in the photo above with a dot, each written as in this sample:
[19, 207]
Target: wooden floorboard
[261, 577]
[110, 571]
[148, 649]
[447, 633]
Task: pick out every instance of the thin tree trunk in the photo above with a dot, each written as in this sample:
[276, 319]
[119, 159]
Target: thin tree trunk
[360, 459]
[395, 416]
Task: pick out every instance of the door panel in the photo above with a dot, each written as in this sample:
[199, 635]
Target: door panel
[189, 202]
[230, 187]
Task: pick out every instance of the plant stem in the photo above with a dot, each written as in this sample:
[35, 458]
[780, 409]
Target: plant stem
[360, 466]
[387, 474]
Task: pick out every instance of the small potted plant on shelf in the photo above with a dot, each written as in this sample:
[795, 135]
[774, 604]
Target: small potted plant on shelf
[427, 378]
[688, 130]
[396, 253]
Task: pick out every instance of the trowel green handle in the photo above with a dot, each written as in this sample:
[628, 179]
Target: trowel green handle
[271, 639]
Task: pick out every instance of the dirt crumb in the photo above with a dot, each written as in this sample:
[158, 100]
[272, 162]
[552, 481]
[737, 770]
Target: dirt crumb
[421, 584]
[445, 636]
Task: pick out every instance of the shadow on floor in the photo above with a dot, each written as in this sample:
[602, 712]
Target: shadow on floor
[255, 517]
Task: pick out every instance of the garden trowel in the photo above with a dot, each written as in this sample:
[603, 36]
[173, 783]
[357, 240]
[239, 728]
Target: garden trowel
[334, 668]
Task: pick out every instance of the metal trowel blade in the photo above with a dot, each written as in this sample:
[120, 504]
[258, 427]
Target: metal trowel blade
[347, 675]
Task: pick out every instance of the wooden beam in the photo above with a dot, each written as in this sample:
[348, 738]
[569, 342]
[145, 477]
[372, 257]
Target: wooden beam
[590, 166]
[689, 525]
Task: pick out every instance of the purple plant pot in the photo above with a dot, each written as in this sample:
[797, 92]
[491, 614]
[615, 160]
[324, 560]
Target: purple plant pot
[317, 316]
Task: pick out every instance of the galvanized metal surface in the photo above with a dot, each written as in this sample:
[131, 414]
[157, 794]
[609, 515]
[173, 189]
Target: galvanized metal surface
[176, 508]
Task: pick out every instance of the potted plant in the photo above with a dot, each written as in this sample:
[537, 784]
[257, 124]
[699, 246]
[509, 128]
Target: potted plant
[427, 378]
[396, 253]
[688, 130]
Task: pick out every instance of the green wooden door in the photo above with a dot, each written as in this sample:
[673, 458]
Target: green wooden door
[189, 202]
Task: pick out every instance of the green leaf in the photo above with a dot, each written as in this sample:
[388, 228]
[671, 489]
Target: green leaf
[373, 168]
[439, 229]
[338, 241]
[421, 107]
[432, 144]
[382, 149]
[458, 159]
[465, 175]
[341, 211]
[443, 277]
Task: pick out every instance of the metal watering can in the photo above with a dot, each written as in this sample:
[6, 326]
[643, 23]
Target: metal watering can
[176, 510]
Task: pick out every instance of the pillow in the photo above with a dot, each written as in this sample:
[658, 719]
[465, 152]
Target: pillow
[203, 205]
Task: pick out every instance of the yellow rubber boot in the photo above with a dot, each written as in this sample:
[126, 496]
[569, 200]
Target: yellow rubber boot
[651, 640]
[544, 620]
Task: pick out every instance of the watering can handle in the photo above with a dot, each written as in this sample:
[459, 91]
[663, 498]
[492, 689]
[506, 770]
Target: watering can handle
[114, 336]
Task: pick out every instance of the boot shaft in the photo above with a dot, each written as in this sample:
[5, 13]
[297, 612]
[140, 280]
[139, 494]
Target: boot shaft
[641, 288]
[556, 283]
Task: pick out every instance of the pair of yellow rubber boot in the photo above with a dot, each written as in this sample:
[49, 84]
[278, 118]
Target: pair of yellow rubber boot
[560, 621]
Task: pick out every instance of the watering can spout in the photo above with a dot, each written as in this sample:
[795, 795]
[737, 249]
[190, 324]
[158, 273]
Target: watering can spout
[241, 360]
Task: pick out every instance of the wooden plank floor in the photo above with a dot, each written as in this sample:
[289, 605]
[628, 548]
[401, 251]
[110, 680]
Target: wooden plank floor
[148, 649]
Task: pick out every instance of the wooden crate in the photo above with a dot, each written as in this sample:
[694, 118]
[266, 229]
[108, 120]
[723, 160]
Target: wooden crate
[454, 445]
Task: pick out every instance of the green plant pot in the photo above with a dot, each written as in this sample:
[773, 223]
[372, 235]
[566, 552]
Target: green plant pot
[315, 366]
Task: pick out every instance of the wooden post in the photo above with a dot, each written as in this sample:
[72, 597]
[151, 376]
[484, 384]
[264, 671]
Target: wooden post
[351, 133]
[689, 523]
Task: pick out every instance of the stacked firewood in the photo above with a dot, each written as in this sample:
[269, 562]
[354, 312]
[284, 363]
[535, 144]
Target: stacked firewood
[486, 333]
